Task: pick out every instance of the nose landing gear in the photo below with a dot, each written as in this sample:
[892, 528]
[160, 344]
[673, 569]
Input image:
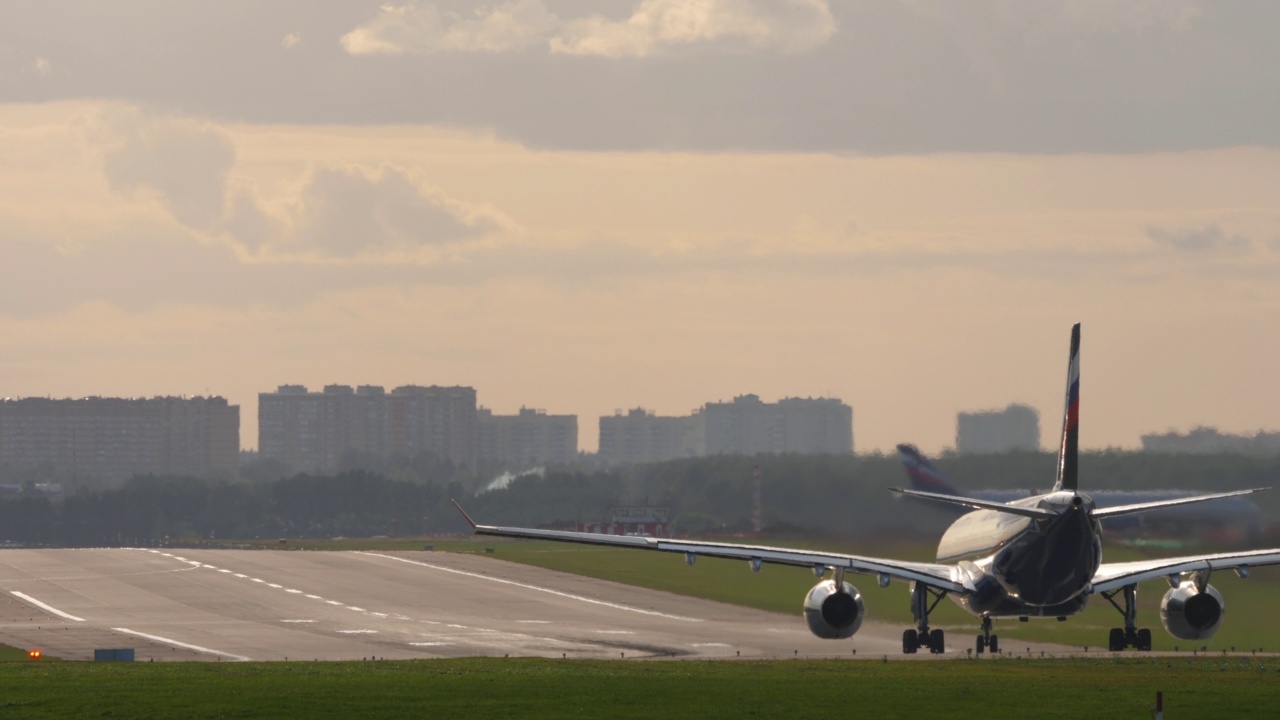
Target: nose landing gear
[987, 641]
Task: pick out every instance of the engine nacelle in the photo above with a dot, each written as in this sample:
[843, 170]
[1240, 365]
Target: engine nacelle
[1191, 614]
[834, 614]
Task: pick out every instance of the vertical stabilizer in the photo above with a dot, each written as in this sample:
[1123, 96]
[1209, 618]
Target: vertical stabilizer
[1069, 449]
[924, 476]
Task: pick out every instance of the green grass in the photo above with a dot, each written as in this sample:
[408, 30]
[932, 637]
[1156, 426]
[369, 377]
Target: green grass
[501, 688]
[12, 654]
[1250, 621]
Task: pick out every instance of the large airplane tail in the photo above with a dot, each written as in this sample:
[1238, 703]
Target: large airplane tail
[1069, 448]
[924, 476]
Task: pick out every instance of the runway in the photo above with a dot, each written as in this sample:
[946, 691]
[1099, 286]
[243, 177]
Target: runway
[238, 605]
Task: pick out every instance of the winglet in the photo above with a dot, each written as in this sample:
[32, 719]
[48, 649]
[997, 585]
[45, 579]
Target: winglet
[465, 516]
[1069, 449]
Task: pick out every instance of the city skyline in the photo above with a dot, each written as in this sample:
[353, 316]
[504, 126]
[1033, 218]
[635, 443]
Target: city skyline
[593, 206]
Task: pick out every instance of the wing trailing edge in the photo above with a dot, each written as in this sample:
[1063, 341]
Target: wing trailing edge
[1119, 510]
[1031, 512]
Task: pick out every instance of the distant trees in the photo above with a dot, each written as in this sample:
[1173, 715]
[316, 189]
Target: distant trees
[836, 495]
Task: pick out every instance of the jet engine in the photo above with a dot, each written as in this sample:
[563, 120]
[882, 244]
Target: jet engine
[1189, 613]
[834, 614]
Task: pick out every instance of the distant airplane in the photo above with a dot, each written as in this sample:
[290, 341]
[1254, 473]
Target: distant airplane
[1038, 556]
[1227, 512]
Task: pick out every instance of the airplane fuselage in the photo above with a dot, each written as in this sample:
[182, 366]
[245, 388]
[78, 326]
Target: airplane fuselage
[1021, 566]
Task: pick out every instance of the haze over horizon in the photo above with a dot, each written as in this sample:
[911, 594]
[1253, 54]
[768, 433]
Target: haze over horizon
[593, 206]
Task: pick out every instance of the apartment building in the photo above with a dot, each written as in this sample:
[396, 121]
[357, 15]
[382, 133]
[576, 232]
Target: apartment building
[316, 431]
[107, 440]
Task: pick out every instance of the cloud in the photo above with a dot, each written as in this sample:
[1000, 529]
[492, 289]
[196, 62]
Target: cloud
[421, 28]
[356, 212]
[360, 212]
[1035, 19]
[1209, 238]
[789, 25]
[184, 161]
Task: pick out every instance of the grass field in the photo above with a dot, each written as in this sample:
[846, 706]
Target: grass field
[1251, 619]
[12, 654]
[501, 688]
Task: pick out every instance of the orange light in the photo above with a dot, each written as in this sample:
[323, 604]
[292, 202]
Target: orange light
[34, 654]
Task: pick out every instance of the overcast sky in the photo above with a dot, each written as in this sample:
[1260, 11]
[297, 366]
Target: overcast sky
[587, 206]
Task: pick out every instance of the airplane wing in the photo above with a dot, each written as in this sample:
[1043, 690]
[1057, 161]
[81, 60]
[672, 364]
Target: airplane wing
[1107, 512]
[1116, 575]
[933, 574]
[977, 504]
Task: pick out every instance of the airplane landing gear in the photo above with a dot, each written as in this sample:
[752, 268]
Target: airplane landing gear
[1130, 635]
[987, 641]
[923, 600]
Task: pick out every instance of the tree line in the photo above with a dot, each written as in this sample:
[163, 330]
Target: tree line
[820, 494]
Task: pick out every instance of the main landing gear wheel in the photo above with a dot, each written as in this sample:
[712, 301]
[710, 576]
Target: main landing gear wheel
[922, 636]
[987, 641]
[934, 641]
[1129, 636]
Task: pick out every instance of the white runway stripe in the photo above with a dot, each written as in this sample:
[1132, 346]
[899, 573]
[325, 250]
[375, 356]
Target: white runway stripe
[558, 593]
[176, 643]
[45, 607]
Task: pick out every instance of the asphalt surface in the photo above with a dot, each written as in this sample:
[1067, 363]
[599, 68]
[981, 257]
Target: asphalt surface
[235, 605]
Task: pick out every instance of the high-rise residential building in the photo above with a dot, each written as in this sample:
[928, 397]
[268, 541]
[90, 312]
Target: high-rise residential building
[745, 426]
[748, 426]
[320, 431]
[1017, 427]
[641, 436]
[1204, 440]
[100, 439]
[531, 437]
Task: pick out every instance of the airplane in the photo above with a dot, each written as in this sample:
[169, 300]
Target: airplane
[1038, 556]
[1236, 512]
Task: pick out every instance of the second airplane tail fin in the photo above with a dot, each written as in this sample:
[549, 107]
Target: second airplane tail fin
[924, 476]
[1069, 448]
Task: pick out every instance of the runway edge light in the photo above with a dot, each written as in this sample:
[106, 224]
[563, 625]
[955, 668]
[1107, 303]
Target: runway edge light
[35, 654]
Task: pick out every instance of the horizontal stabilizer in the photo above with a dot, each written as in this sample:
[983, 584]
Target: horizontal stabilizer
[1118, 510]
[1024, 511]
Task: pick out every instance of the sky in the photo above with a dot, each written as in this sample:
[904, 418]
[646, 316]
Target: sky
[587, 206]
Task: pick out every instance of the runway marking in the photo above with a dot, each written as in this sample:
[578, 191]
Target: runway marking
[314, 597]
[258, 580]
[357, 609]
[613, 632]
[333, 602]
[535, 622]
[223, 570]
[273, 585]
[428, 644]
[297, 621]
[358, 632]
[242, 576]
[293, 592]
[46, 607]
[526, 586]
[177, 643]
[378, 615]
[710, 645]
